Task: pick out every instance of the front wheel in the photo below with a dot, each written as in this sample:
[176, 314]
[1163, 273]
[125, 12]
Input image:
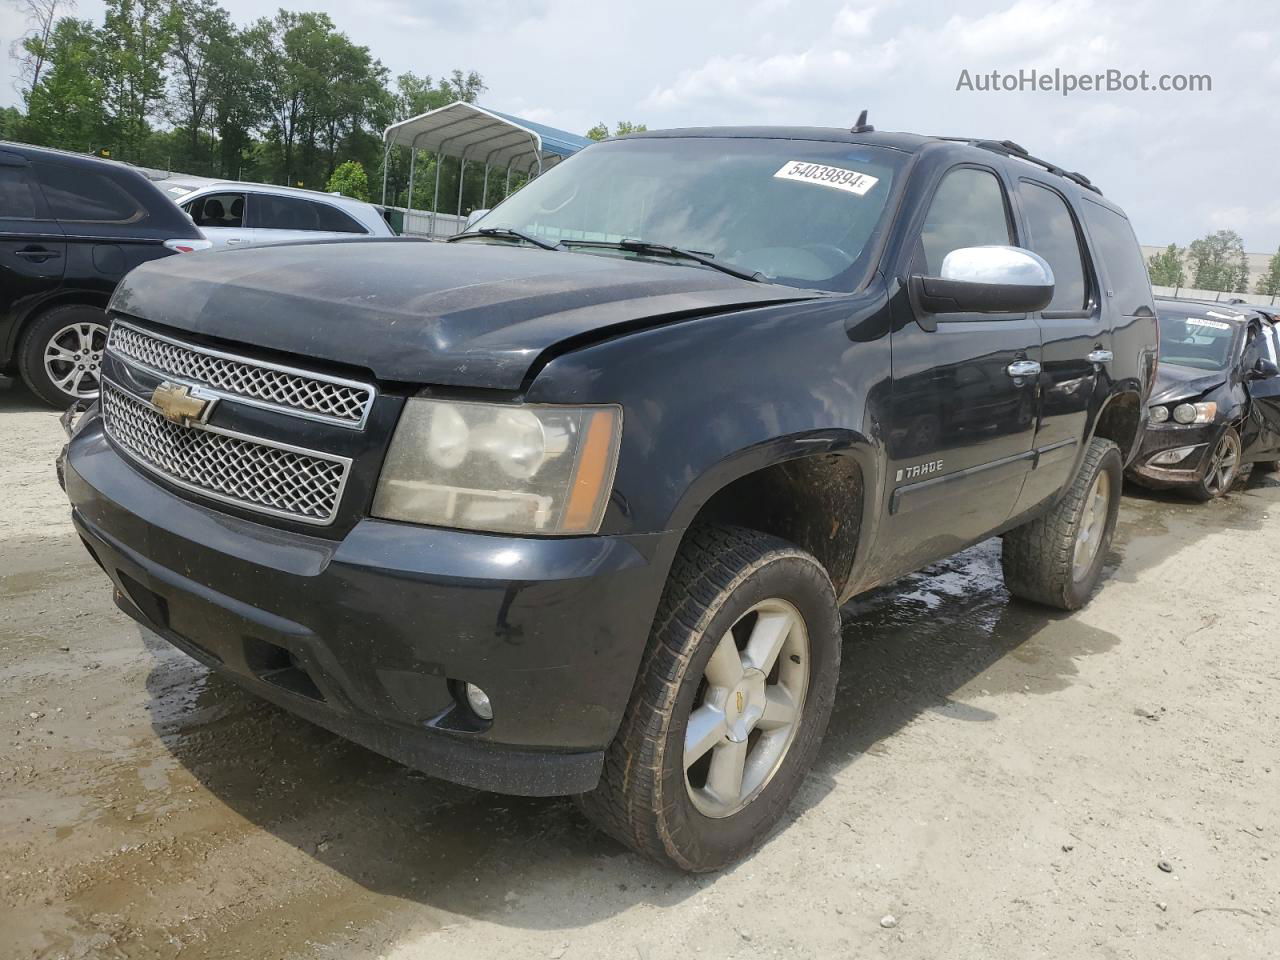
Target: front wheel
[1057, 559]
[1222, 469]
[733, 697]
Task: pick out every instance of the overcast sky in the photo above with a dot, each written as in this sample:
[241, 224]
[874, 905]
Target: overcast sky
[1180, 163]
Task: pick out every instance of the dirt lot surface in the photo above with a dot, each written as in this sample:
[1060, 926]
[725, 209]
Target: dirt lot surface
[1001, 781]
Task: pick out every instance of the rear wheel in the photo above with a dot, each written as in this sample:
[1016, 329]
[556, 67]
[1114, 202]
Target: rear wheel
[60, 356]
[1222, 469]
[1057, 559]
[733, 697]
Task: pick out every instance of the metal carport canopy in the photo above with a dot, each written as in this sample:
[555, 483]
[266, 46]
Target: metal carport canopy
[469, 132]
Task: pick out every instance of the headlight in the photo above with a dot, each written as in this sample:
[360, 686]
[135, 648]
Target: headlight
[500, 467]
[1158, 414]
[1188, 413]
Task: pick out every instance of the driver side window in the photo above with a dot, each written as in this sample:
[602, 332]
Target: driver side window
[968, 210]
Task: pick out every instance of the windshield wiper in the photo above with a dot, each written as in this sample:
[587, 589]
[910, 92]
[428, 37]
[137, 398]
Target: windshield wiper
[505, 232]
[665, 249]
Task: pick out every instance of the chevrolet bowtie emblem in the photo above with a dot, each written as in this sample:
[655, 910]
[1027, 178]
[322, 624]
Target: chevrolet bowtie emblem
[178, 404]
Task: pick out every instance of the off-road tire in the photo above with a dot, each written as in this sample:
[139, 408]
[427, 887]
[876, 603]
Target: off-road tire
[1038, 557]
[36, 337]
[642, 799]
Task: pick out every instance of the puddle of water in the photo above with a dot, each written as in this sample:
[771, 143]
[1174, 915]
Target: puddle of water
[1156, 524]
[944, 640]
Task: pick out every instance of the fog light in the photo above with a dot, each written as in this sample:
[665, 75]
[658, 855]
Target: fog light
[1176, 455]
[478, 701]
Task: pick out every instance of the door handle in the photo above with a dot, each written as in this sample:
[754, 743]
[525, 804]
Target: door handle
[37, 255]
[1101, 356]
[1023, 368]
[231, 240]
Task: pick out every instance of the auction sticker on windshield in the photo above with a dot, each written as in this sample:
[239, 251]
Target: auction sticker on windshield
[850, 181]
[1211, 324]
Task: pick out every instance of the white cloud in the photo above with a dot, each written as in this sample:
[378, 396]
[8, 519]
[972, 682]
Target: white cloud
[1027, 27]
[774, 82]
[830, 66]
[1242, 218]
[1253, 40]
[853, 21]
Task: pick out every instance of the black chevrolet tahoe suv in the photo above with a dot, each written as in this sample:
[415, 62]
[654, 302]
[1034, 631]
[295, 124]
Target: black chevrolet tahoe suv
[569, 505]
[70, 227]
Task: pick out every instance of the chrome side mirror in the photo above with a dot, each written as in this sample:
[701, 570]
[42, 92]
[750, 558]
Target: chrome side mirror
[474, 217]
[995, 279]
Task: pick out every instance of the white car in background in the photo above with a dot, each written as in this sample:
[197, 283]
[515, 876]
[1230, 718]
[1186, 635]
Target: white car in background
[234, 214]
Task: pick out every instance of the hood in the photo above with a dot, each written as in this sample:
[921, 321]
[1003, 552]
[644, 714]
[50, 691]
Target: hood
[1175, 382]
[462, 314]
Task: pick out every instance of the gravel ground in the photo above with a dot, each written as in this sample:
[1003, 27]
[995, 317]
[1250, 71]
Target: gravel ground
[998, 781]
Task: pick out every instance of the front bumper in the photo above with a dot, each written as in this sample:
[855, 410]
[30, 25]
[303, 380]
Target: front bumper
[372, 635]
[1162, 437]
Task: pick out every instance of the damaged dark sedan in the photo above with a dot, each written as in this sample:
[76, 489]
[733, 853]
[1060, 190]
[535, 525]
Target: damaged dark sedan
[1214, 414]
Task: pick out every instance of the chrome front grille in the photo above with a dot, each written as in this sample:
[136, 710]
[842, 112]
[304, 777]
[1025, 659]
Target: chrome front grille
[250, 472]
[256, 382]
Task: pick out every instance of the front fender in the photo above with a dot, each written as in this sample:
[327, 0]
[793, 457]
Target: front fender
[710, 400]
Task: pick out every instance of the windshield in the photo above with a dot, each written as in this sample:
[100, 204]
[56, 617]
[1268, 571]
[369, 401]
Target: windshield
[800, 212]
[1196, 341]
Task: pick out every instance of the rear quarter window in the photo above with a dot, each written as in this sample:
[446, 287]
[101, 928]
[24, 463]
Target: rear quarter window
[82, 195]
[331, 218]
[296, 213]
[1121, 257]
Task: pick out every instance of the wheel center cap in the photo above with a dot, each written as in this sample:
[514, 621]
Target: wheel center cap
[745, 705]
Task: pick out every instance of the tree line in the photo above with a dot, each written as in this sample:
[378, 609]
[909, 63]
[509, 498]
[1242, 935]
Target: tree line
[178, 85]
[1216, 261]
[290, 99]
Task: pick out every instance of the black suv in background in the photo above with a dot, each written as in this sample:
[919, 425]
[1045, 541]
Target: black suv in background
[569, 505]
[70, 227]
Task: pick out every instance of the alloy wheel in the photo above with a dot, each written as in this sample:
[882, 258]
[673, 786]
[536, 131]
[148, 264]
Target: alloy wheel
[1223, 465]
[73, 359]
[1093, 526]
[748, 708]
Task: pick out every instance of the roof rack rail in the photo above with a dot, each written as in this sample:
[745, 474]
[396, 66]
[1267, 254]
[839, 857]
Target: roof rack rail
[1008, 148]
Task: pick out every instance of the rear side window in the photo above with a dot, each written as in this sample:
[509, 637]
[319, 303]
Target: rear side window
[1121, 257]
[86, 196]
[968, 210]
[1051, 232]
[295, 213]
[333, 219]
[17, 195]
[217, 210]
